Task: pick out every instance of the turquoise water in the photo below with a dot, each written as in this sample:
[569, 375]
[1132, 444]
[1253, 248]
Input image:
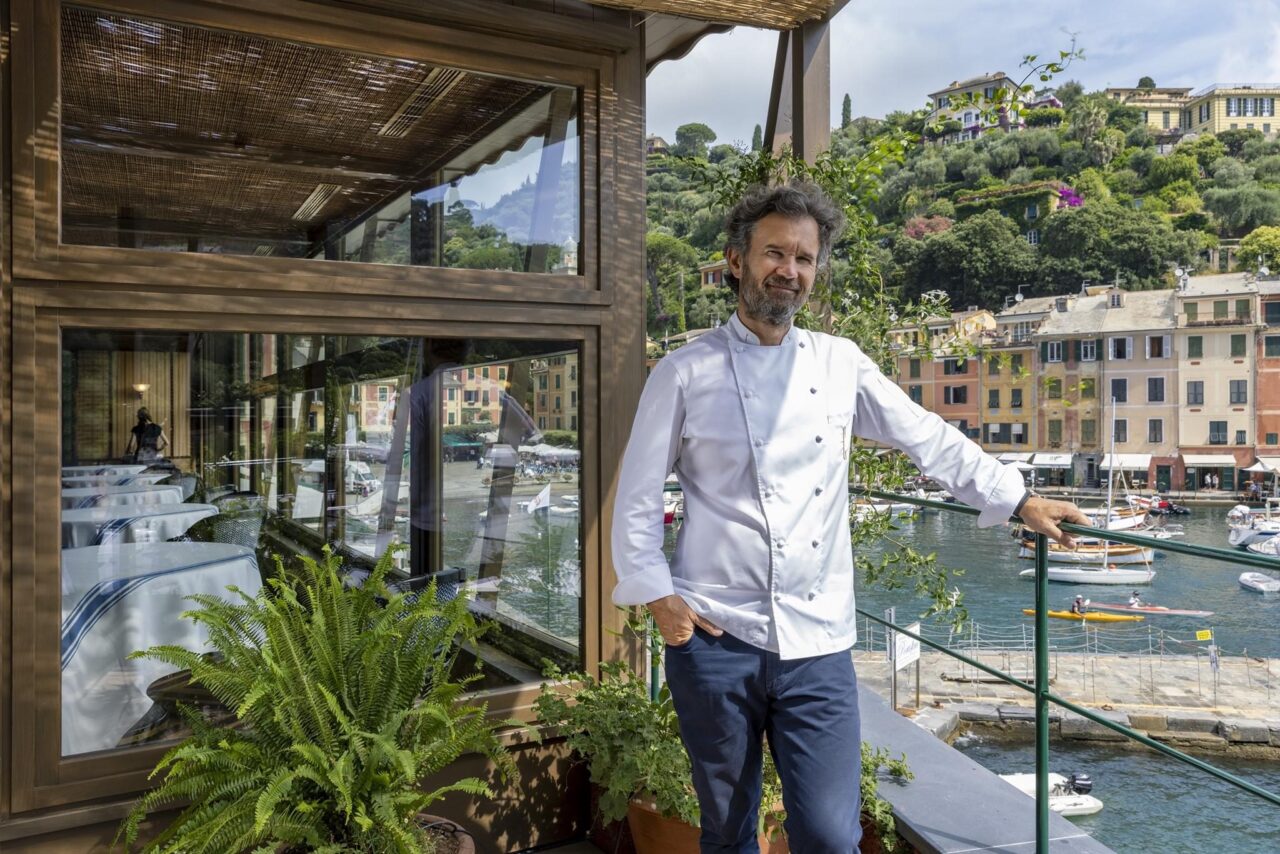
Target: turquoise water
[1152, 803]
[995, 595]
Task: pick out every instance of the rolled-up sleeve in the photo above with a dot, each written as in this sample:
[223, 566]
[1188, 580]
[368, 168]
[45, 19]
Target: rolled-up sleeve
[638, 530]
[884, 413]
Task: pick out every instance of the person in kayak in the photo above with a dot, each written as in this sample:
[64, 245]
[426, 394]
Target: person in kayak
[1135, 599]
[1078, 606]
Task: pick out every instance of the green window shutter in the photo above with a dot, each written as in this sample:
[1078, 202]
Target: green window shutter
[1097, 343]
[1044, 352]
[1075, 350]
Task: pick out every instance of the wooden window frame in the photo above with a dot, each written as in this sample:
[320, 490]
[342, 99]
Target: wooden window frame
[41, 778]
[595, 70]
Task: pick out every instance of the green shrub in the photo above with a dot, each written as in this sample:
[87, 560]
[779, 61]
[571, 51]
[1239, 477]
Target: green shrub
[343, 701]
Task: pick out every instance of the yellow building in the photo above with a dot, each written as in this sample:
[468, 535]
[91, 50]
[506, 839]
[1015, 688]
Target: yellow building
[1163, 107]
[1008, 397]
[555, 398]
[1233, 106]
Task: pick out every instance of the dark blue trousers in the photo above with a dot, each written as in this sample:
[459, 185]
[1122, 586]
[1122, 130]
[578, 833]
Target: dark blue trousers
[728, 696]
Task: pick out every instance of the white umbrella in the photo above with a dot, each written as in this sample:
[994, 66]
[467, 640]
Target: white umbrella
[1260, 467]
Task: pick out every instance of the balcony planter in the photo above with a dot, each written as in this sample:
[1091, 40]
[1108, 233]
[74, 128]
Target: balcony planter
[655, 833]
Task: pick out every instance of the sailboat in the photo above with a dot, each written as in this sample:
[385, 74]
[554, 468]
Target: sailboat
[1101, 557]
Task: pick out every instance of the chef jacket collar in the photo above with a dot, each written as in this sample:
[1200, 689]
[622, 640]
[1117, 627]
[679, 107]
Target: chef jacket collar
[744, 335]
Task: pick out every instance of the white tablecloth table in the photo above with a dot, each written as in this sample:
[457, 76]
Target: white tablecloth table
[125, 597]
[122, 523]
[108, 469]
[82, 480]
[79, 497]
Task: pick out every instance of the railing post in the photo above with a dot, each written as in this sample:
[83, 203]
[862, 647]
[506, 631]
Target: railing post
[1042, 694]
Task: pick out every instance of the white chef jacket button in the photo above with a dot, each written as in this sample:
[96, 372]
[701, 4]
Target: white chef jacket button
[816, 544]
[740, 349]
[818, 439]
[747, 393]
[813, 594]
[759, 443]
[801, 343]
[817, 490]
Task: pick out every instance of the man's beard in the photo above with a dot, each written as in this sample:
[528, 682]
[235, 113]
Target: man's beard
[774, 308]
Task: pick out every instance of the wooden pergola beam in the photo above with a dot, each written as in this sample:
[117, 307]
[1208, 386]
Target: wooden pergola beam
[222, 153]
[800, 98]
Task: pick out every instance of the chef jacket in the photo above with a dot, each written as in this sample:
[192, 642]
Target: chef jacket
[758, 437]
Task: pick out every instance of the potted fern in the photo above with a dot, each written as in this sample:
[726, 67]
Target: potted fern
[631, 744]
[343, 699]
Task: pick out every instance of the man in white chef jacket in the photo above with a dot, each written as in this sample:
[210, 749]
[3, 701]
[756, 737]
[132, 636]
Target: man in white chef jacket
[757, 606]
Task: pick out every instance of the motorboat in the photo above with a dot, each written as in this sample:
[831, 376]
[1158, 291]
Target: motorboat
[1270, 547]
[1089, 616]
[1249, 525]
[1096, 553]
[1095, 575]
[1117, 518]
[1259, 582]
[1149, 610]
[1068, 796]
[1157, 506]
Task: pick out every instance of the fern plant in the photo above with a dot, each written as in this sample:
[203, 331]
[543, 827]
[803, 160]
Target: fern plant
[343, 700]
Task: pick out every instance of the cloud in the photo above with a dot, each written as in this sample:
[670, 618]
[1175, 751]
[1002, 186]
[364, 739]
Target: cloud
[890, 59]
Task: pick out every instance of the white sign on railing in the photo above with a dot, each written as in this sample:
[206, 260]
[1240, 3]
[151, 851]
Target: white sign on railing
[906, 649]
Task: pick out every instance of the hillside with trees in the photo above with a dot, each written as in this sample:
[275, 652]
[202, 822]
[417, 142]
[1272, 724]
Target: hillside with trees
[1083, 193]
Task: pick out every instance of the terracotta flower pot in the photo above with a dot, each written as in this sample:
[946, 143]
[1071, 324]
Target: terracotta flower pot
[654, 833]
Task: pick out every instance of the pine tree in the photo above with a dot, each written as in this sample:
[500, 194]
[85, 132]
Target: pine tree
[846, 112]
[757, 139]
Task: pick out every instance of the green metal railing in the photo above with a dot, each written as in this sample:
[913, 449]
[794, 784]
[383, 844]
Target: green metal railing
[1040, 688]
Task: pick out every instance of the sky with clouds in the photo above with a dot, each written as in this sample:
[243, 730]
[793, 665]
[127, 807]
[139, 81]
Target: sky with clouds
[889, 55]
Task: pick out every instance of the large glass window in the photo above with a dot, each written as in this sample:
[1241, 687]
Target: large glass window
[191, 459]
[186, 139]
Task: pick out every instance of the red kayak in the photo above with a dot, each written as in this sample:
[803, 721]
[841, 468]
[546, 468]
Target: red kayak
[1155, 610]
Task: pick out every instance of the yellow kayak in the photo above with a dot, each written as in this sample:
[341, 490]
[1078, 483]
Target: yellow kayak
[1092, 616]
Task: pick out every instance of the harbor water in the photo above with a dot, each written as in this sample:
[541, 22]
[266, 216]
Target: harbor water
[995, 595]
[1152, 803]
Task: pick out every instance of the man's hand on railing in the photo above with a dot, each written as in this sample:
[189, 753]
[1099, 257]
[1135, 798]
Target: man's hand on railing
[1042, 515]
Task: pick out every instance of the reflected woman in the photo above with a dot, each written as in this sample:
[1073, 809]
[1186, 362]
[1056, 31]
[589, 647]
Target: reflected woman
[147, 439]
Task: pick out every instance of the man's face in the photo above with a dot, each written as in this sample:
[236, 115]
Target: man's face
[776, 273]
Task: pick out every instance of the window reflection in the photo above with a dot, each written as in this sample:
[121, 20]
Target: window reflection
[186, 139]
[281, 444]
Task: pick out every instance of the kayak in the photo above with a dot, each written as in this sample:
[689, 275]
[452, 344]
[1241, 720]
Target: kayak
[1157, 610]
[1091, 616]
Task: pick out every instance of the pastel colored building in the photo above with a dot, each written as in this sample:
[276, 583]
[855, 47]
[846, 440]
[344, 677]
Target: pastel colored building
[1009, 389]
[941, 374]
[973, 122]
[1163, 107]
[1069, 353]
[1217, 322]
[1267, 399]
[1138, 394]
[1233, 106]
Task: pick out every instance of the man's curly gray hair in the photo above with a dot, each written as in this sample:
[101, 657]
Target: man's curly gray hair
[795, 200]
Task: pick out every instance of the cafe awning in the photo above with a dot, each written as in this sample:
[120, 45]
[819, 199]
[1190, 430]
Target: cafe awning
[1015, 457]
[1209, 460]
[1044, 460]
[1127, 461]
